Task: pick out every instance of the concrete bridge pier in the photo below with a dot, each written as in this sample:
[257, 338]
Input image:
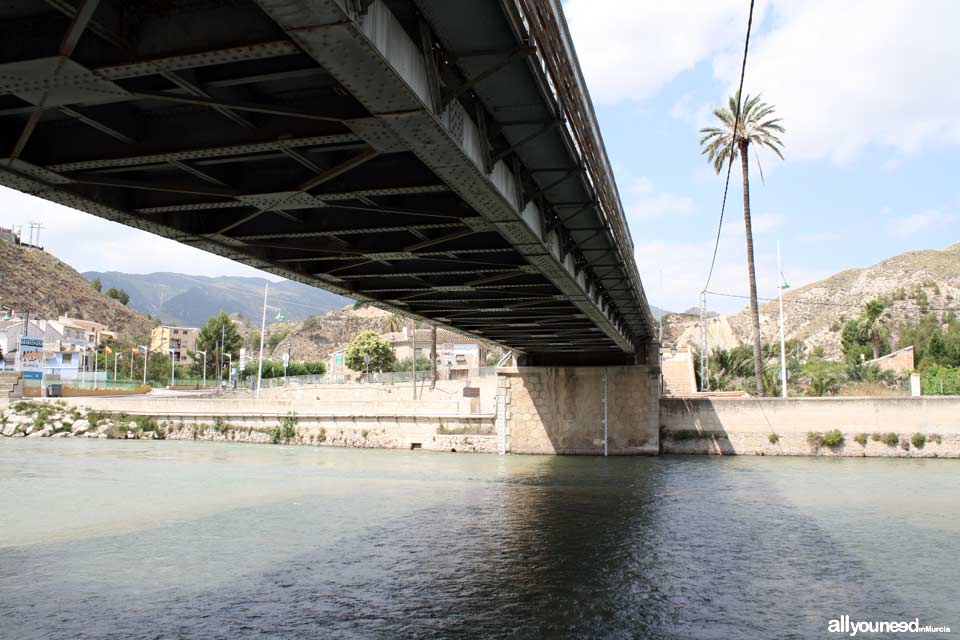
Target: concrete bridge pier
[579, 410]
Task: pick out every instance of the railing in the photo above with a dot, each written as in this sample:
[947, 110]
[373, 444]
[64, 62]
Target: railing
[386, 377]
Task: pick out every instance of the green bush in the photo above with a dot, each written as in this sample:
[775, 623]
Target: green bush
[286, 430]
[773, 438]
[935, 437]
[833, 438]
[861, 439]
[815, 439]
[876, 437]
[918, 440]
[687, 434]
[220, 426]
[891, 439]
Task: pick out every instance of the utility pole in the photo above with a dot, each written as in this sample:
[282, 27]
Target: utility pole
[704, 365]
[783, 352]
[263, 328]
[413, 360]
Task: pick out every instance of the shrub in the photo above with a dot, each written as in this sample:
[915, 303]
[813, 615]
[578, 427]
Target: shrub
[833, 438]
[286, 430]
[323, 435]
[815, 439]
[905, 444]
[220, 426]
[891, 439]
[876, 437]
[936, 437]
[918, 440]
[364, 434]
[861, 438]
[773, 438]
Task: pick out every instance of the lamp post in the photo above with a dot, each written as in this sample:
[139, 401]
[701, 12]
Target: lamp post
[83, 365]
[781, 285]
[229, 364]
[204, 354]
[96, 354]
[116, 357]
[146, 355]
[173, 369]
[263, 329]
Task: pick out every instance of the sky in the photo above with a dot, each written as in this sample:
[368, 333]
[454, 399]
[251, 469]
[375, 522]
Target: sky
[867, 92]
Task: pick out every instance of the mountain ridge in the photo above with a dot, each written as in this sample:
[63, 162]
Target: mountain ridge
[188, 299]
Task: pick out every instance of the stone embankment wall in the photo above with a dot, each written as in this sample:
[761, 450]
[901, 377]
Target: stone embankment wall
[561, 410]
[926, 427]
[177, 421]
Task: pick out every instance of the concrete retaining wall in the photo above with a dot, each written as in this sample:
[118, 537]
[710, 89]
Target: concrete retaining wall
[550, 410]
[745, 425]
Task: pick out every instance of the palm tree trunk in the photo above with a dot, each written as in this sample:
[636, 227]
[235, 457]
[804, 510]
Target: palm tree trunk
[875, 339]
[751, 271]
[433, 357]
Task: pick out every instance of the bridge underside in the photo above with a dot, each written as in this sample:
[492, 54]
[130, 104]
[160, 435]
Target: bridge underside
[288, 136]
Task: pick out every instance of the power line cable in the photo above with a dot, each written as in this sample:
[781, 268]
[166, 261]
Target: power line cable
[736, 126]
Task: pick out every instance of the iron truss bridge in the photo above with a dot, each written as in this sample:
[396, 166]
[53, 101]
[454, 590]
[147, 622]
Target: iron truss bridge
[439, 158]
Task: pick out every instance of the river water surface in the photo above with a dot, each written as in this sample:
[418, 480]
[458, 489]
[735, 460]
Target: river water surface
[116, 539]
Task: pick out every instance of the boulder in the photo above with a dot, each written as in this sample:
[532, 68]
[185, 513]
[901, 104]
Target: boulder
[80, 426]
[10, 428]
[61, 434]
[132, 425]
[46, 432]
[58, 426]
[30, 429]
[131, 435]
[103, 428]
[149, 435]
[36, 434]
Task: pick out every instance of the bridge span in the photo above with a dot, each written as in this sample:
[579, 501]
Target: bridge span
[438, 158]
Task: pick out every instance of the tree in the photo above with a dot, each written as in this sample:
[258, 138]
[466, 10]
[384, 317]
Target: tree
[392, 324]
[122, 297]
[95, 283]
[823, 377]
[871, 322]
[219, 328]
[369, 343]
[755, 125]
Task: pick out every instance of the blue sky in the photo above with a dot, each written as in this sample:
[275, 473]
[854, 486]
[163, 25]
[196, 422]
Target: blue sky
[868, 95]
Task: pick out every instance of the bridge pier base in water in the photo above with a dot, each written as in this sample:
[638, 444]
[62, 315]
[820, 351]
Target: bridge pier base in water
[579, 410]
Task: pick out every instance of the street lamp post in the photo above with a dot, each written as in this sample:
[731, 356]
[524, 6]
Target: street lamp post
[204, 354]
[146, 355]
[116, 357]
[83, 365]
[96, 355]
[173, 370]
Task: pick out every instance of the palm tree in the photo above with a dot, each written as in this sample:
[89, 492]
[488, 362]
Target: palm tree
[871, 321]
[755, 125]
[392, 324]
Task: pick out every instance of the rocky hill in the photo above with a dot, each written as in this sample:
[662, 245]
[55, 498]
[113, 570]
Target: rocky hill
[912, 284]
[38, 282]
[317, 337]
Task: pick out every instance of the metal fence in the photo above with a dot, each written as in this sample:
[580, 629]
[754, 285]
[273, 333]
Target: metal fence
[375, 377]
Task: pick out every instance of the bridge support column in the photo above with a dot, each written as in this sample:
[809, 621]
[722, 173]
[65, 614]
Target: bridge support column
[560, 410]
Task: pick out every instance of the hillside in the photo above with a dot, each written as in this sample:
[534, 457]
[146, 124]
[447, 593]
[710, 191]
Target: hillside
[318, 336]
[37, 281]
[912, 283]
[188, 300]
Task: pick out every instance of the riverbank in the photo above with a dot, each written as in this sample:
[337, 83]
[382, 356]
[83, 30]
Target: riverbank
[906, 427]
[169, 421]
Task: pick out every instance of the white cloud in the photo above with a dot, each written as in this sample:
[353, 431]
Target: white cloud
[765, 222]
[643, 201]
[917, 222]
[89, 243]
[847, 75]
[629, 49]
[685, 266]
[843, 75]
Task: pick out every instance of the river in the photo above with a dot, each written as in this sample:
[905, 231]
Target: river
[146, 539]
